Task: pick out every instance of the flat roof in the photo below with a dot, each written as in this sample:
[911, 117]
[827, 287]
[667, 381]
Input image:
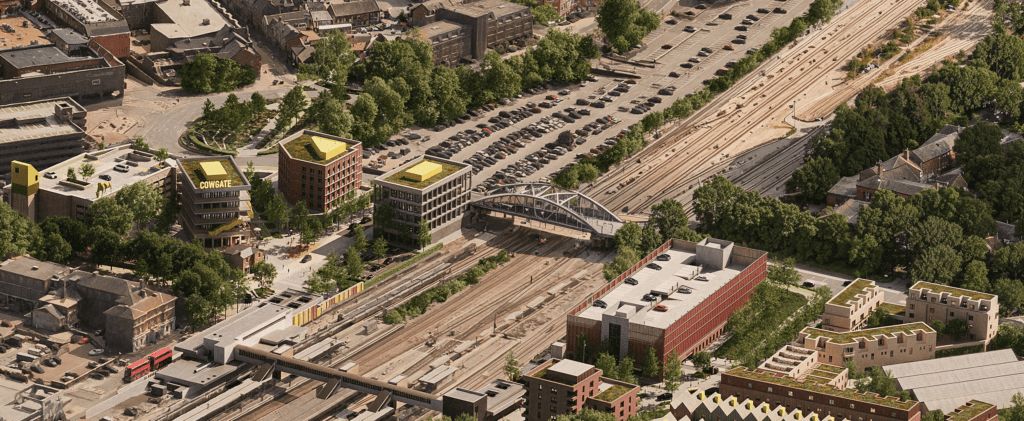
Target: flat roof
[969, 410]
[674, 274]
[438, 27]
[952, 291]
[33, 114]
[946, 383]
[850, 293]
[399, 176]
[25, 35]
[849, 337]
[193, 169]
[570, 368]
[184, 372]
[44, 55]
[301, 146]
[252, 318]
[851, 394]
[103, 165]
[23, 266]
[189, 18]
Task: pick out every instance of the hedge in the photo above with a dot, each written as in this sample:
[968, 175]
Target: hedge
[418, 304]
[381, 276]
[202, 146]
[268, 151]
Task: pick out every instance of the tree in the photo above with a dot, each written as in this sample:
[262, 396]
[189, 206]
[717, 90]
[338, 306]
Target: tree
[71, 174]
[423, 237]
[814, 179]
[880, 382]
[106, 213]
[587, 172]
[106, 246]
[310, 230]
[293, 104]
[380, 247]
[784, 273]
[975, 277]
[86, 170]
[317, 283]
[359, 242]
[142, 200]
[161, 155]
[52, 247]
[544, 14]
[936, 415]
[673, 372]
[1011, 294]
[956, 329]
[1014, 412]
[939, 264]
[939, 326]
[624, 23]
[353, 263]
[702, 360]
[624, 371]
[277, 209]
[629, 236]
[330, 116]
[568, 178]
[139, 143]
[264, 273]
[512, 367]
[207, 73]
[606, 363]
[298, 215]
[881, 317]
[651, 367]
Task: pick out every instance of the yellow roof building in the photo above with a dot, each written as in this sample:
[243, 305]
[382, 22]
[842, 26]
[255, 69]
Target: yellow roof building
[213, 171]
[422, 171]
[327, 149]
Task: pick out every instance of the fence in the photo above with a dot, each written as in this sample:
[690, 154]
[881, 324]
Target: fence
[312, 313]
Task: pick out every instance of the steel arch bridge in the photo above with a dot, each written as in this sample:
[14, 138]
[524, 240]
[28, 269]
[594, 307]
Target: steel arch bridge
[552, 205]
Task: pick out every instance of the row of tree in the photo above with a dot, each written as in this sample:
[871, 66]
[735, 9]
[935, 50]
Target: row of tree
[208, 73]
[403, 86]
[232, 117]
[418, 304]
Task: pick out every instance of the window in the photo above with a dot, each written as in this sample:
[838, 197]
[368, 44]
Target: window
[95, 82]
[911, 315]
[911, 306]
[970, 317]
[951, 314]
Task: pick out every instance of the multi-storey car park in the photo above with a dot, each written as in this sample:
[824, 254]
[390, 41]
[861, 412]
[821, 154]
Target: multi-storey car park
[432, 189]
[927, 302]
[319, 169]
[678, 298]
[849, 310]
[215, 201]
[872, 347]
[40, 133]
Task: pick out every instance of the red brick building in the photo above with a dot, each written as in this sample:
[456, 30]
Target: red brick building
[696, 289]
[777, 389]
[559, 387]
[319, 169]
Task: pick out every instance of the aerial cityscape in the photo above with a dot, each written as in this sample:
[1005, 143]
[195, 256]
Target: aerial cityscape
[511, 210]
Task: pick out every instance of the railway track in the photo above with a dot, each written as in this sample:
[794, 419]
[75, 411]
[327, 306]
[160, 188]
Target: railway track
[681, 160]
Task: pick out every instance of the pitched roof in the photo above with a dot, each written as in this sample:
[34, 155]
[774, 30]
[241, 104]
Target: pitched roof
[906, 187]
[352, 8]
[108, 284]
[141, 306]
[946, 383]
[939, 144]
[846, 187]
[851, 210]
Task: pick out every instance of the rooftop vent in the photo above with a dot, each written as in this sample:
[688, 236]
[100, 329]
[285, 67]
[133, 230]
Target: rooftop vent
[206, 21]
[35, 267]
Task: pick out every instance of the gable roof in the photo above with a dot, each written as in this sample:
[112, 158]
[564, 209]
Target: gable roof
[352, 8]
[851, 210]
[938, 145]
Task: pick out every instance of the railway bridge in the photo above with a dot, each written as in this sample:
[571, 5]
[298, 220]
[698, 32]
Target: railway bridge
[552, 205]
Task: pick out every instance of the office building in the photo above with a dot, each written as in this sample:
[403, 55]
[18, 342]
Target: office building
[45, 71]
[485, 24]
[214, 201]
[683, 307]
[871, 347]
[116, 167]
[319, 169]
[927, 302]
[849, 310]
[24, 280]
[559, 387]
[429, 189]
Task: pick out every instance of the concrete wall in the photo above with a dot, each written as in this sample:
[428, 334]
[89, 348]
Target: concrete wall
[75, 84]
[477, 29]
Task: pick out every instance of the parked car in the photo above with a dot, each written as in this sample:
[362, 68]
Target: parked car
[96, 352]
[808, 285]
[307, 258]
[654, 266]
[660, 307]
[664, 257]
[601, 304]
[664, 397]
[631, 281]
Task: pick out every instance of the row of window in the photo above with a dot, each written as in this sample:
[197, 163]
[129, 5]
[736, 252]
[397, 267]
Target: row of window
[216, 194]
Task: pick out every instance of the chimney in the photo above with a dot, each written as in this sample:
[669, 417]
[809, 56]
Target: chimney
[906, 154]
[879, 169]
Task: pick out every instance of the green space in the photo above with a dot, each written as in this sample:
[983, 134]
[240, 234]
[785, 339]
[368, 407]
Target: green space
[418, 305]
[302, 148]
[543, 374]
[818, 379]
[959, 351]
[892, 308]
[891, 402]
[612, 393]
[850, 293]
[192, 169]
[848, 337]
[966, 413]
[446, 170]
[829, 368]
[828, 376]
[953, 292]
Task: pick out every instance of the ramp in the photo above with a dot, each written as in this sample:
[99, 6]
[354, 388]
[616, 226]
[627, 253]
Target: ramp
[328, 388]
[264, 371]
[383, 398]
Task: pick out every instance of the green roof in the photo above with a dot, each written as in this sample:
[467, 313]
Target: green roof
[829, 368]
[892, 308]
[400, 178]
[613, 393]
[542, 374]
[824, 374]
[955, 292]
[848, 337]
[302, 148]
[851, 394]
[850, 293]
[196, 175]
[968, 412]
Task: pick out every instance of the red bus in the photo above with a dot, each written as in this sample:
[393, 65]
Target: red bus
[152, 362]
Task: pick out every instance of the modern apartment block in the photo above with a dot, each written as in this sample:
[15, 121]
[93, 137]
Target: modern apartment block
[849, 310]
[927, 302]
[802, 364]
[40, 133]
[872, 347]
[559, 387]
[695, 290]
[807, 397]
[215, 201]
[319, 169]
[57, 195]
[432, 189]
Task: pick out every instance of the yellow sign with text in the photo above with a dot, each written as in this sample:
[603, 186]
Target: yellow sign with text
[214, 184]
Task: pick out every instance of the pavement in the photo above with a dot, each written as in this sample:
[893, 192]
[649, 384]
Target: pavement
[895, 291]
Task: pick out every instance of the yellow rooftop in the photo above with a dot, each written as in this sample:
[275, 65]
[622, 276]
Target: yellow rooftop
[213, 171]
[423, 171]
[327, 149]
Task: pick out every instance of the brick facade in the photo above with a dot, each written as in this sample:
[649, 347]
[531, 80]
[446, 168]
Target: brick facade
[550, 393]
[321, 185]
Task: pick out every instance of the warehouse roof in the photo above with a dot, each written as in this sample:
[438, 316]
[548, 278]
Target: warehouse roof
[946, 383]
[46, 55]
[190, 17]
